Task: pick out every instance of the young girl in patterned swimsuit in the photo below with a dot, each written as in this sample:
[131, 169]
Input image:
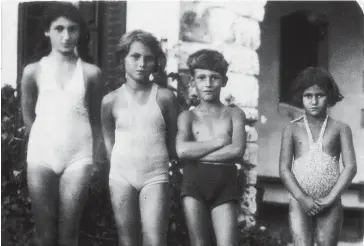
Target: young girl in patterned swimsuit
[315, 142]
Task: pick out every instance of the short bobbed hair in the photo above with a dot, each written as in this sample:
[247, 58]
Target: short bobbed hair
[315, 76]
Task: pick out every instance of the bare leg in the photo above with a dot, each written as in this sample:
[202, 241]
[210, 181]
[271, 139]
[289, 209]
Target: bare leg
[124, 201]
[225, 222]
[301, 225]
[197, 219]
[329, 223]
[43, 186]
[154, 210]
[73, 190]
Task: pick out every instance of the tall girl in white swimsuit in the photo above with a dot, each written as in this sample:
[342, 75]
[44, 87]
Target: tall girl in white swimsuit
[139, 126]
[315, 143]
[61, 107]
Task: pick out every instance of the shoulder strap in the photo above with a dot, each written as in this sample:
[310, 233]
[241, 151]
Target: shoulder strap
[297, 119]
[44, 72]
[126, 94]
[153, 93]
[79, 70]
[308, 130]
[323, 129]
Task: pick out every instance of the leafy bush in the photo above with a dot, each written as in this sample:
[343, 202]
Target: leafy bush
[17, 225]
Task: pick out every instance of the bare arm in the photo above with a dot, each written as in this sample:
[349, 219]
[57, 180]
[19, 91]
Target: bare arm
[108, 124]
[188, 149]
[285, 165]
[94, 102]
[349, 162]
[29, 95]
[234, 151]
[171, 121]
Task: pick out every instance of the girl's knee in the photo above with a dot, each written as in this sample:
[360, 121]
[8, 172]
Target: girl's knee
[154, 239]
[324, 239]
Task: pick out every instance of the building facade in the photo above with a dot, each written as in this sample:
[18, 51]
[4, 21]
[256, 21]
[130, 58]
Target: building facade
[257, 40]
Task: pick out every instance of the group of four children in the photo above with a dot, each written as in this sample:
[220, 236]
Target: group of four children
[66, 116]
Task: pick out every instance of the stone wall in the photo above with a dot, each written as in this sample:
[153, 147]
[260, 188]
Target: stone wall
[233, 29]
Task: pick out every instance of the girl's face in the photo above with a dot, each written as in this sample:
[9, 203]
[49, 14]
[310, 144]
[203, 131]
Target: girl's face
[63, 34]
[315, 101]
[139, 62]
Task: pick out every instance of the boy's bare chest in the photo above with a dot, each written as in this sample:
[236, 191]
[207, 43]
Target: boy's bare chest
[207, 128]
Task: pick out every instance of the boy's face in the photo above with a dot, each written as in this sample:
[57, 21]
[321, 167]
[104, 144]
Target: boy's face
[314, 100]
[208, 84]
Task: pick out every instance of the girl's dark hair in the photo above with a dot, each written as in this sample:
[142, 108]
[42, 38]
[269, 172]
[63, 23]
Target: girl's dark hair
[315, 76]
[148, 40]
[53, 11]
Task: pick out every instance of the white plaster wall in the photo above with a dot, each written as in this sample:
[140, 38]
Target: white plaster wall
[346, 56]
[158, 17]
[9, 42]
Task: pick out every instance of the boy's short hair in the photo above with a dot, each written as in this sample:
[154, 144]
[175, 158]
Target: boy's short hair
[315, 76]
[209, 60]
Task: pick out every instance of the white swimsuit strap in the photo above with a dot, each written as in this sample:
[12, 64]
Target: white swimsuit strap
[309, 133]
[153, 93]
[78, 76]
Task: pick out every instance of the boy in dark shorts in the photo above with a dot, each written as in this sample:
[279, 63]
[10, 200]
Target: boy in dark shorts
[210, 139]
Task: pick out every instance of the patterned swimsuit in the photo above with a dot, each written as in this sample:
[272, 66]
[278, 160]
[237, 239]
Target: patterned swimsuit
[316, 172]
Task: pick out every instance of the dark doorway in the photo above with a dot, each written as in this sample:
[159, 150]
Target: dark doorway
[303, 44]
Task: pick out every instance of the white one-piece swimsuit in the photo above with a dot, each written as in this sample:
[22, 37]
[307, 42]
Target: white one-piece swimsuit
[61, 133]
[139, 156]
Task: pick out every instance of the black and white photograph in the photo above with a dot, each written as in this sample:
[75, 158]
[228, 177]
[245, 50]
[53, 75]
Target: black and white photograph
[182, 123]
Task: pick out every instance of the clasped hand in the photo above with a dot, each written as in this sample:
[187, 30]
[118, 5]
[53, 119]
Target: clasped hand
[313, 206]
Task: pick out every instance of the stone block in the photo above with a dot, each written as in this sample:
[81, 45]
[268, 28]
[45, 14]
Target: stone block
[206, 22]
[241, 59]
[183, 49]
[251, 114]
[251, 153]
[252, 9]
[246, 222]
[241, 90]
[251, 134]
[248, 204]
[220, 22]
[251, 176]
[247, 32]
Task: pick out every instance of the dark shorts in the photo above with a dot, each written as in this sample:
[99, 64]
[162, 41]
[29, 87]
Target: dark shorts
[211, 184]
